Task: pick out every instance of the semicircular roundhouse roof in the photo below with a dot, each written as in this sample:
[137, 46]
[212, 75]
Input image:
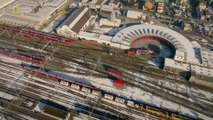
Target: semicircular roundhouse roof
[181, 43]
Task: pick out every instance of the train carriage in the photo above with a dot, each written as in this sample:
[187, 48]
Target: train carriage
[85, 89]
[107, 96]
[94, 92]
[75, 86]
[23, 55]
[120, 100]
[130, 103]
[64, 83]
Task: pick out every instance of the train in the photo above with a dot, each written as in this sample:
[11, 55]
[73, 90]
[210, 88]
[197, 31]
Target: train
[29, 33]
[112, 70]
[23, 55]
[151, 109]
[139, 105]
[57, 76]
[140, 51]
[86, 42]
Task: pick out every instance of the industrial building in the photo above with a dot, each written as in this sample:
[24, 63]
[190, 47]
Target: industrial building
[185, 51]
[183, 47]
[196, 74]
[174, 67]
[135, 15]
[34, 14]
[79, 20]
[96, 4]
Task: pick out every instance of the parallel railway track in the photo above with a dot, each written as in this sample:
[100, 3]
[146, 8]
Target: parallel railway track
[40, 92]
[123, 64]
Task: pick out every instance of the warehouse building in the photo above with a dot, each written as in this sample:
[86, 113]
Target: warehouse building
[202, 76]
[80, 20]
[194, 73]
[29, 13]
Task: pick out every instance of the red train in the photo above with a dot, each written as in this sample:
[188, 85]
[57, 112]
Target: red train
[112, 70]
[29, 33]
[57, 76]
[87, 42]
[140, 51]
[22, 55]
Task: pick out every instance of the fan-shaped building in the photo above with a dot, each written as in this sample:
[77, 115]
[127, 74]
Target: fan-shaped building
[182, 47]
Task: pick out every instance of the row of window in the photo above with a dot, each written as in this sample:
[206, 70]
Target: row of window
[150, 31]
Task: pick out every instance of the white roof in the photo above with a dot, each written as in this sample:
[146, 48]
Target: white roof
[186, 67]
[196, 44]
[207, 56]
[202, 71]
[95, 35]
[173, 64]
[105, 37]
[134, 14]
[4, 3]
[88, 34]
[181, 43]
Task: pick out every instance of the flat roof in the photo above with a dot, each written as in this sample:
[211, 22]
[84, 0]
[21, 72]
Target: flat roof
[97, 2]
[173, 64]
[196, 44]
[134, 14]
[18, 20]
[115, 2]
[4, 3]
[187, 67]
[207, 56]
[202, 71]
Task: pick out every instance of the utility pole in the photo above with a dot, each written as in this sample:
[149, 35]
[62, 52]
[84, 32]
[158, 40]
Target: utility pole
[97, 101]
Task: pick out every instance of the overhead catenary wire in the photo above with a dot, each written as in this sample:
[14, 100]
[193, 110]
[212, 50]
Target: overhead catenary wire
[18, 93]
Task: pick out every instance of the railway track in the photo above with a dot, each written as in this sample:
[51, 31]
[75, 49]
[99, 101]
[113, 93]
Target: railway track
[40, 91]
[17, 110]
[68, 57]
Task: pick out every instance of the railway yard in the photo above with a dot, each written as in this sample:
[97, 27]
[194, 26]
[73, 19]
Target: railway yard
[73, 74]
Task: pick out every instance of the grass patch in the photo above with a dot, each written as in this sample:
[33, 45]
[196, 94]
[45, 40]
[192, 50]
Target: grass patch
[55, 112]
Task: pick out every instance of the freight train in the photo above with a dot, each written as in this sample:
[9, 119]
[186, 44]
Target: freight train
[88, 88]
[23, 55]
[149, 108]
[29, 33]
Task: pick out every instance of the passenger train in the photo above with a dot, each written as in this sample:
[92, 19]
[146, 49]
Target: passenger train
[29, 33]
[56, 76]
[140, 105]
[23, 55]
